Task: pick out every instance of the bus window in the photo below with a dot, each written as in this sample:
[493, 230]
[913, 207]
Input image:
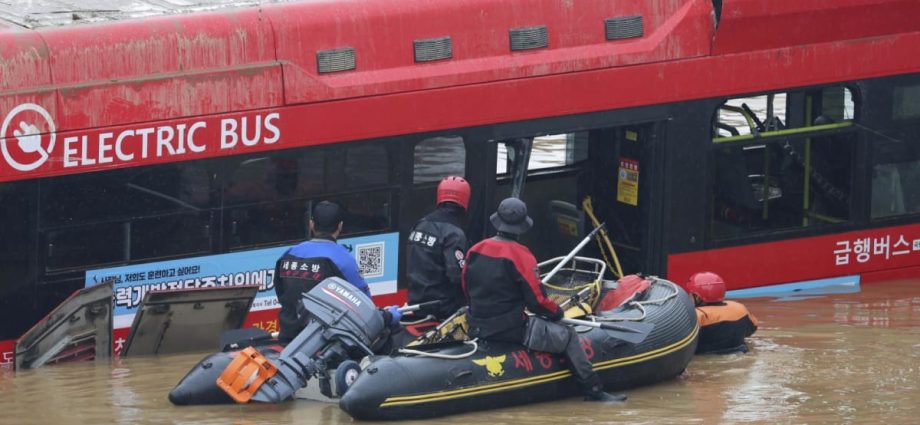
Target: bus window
[366, 212]
[549, 151]
[269, 194]
[266, 223]
[82, 246]
[782, 167]
[736, 116]
[557, 150]
[17, 200]
[85, 220]
[367, 165]
[275, 176]
[438, 157]
[100, 197]
[18, 304]
[779, 113]
[896, 174]
[906, 103]
[896, 160]
[836, 105]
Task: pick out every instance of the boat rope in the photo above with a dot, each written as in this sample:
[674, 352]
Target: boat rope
[640, 305]
[471, 342]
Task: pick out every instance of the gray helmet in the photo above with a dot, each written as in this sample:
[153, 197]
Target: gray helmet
[511, 217]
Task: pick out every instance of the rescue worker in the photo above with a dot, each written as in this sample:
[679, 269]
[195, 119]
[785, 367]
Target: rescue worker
[302, 267]
[436, 250]
[723, 324]
[501, 279]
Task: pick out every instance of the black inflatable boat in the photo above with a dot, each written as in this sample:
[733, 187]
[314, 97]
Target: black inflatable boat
[649, 335]
[461, 377]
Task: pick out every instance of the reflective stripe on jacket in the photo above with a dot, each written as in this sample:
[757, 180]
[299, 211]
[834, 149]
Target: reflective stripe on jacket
[300, 268]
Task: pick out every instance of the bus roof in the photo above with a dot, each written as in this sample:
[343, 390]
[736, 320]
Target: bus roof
[53, 13]
[203, 63]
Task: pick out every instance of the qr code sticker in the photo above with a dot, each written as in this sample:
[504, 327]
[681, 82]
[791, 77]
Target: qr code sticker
[370, 259]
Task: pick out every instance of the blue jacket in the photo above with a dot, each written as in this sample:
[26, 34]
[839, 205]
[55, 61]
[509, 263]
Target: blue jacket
[301, 268]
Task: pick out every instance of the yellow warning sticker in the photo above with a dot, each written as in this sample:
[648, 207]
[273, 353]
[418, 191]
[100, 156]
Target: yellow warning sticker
[567, 226]
[628, 182]
[632, 135]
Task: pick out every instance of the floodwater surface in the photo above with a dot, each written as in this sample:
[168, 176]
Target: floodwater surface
[836, 359]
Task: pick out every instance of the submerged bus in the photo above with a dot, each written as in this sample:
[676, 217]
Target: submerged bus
[771, 142]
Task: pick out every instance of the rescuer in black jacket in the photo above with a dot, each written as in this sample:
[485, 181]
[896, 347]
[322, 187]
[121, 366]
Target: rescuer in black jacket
[436, 250]
[501, 279]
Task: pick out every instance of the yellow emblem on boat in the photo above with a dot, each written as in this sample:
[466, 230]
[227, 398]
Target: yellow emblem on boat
[493, 364]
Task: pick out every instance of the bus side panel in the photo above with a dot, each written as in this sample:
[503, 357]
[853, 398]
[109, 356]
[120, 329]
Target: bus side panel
[22, 56]
[796, 260]
[150, 70]
[384, 60]
[23, 67]
[749, 25]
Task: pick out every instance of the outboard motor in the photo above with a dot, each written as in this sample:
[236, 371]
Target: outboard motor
[342, 320]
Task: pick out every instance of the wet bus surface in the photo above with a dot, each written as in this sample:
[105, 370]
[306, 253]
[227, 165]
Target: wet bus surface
[830, 359]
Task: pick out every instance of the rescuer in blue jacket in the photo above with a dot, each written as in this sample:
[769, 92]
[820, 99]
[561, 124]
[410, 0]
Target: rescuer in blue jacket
[302, 267]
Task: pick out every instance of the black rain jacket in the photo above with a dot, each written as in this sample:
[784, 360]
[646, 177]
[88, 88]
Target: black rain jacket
[500, 279]
[435, 255]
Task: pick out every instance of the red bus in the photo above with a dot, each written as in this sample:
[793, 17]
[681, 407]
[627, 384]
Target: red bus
[771, 142]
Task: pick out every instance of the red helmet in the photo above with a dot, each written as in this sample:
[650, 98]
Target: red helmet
[708, 286]
[454, 189]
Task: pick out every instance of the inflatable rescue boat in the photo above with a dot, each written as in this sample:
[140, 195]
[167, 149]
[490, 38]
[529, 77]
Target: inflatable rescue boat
[644, 332]
[466, 376]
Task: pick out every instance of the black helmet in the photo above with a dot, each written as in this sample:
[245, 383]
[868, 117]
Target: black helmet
[326, 216]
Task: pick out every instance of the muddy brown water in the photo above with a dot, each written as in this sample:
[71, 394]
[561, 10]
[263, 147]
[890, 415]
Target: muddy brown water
[850, 358]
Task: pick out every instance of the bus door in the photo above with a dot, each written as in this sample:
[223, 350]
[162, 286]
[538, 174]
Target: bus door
[612, 166]
[543, 171]
[623, 179]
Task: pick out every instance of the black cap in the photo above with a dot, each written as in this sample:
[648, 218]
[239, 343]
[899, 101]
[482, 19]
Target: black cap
[326, 216]
[511, 217]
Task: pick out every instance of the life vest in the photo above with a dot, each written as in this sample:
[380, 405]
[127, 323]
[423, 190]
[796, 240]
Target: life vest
[723, 327]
